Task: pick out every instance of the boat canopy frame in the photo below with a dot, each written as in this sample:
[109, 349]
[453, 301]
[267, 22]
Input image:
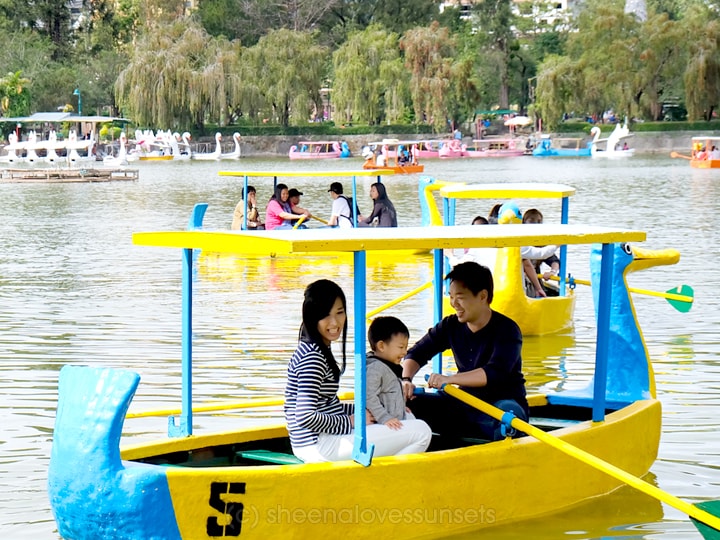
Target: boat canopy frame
[359, 241]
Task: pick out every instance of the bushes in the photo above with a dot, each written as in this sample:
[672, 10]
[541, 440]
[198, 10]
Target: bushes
[319, 129]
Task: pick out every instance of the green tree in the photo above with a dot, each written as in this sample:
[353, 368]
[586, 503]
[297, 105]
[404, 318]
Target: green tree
[369, 73]
[49, 18]
[558, 81]
[429, 55]
[14, 95]
[702, 75]
[176, 77]
[287, 69]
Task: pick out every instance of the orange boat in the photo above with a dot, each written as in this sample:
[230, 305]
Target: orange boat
[388, 155]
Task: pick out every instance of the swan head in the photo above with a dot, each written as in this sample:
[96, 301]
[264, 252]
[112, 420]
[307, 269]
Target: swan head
[509, 213]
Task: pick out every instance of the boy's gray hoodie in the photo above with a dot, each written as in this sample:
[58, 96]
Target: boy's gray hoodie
[383, 391]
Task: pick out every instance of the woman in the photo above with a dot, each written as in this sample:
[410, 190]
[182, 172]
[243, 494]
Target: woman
[279, 214]
[383, 209]
[320, 426]
[253, 217]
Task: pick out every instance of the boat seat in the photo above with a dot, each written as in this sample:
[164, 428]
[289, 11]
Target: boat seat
[547, 424]
[268, 456]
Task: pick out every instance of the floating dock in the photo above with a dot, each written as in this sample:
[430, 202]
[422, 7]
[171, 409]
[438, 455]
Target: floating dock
[59, 175]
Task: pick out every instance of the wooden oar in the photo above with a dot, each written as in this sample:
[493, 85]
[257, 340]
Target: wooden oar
[680, 297]
[321, 220]
[676, 155]
[299, 221]
[706, 518]
[255, 403]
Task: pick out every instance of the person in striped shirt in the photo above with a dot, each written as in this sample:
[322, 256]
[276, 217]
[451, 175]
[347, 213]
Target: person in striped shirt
[320, 426]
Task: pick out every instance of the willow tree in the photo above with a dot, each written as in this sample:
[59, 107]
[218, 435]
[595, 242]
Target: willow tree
[557, 83]
[429, 55]
[288, 69]
[702, 75]
[368, 77]
[176, 77]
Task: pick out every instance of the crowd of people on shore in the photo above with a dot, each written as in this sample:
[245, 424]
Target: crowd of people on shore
[283, 210]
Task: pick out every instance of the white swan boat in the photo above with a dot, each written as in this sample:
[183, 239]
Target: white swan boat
[235, 154]
[615, 145]
[211, 155]
[121, 158]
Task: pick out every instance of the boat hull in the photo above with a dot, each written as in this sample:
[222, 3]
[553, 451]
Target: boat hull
[424, 495]
[494, 153]
[705, 163]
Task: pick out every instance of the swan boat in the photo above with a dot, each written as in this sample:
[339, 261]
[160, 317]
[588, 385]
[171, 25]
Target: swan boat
[535, 316]
[245, 483]
[211, 156]
[423, 148]
[268, 250]
[563, 146]
[389, 149]
[452, 148]
[615, 144]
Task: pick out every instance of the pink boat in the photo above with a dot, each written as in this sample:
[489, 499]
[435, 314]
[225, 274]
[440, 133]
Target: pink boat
[423, 149]
[319, 150]
[495, 148]
[452, 148]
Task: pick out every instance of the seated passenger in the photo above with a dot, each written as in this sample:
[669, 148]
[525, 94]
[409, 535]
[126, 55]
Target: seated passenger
[532, 257]
[253, 216]
[383, 209]
[279, 214]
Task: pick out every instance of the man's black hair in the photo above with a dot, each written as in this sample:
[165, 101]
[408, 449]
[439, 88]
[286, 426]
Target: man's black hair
[474, 276]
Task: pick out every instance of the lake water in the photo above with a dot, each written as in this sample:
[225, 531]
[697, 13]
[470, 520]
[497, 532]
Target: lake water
[75, 290]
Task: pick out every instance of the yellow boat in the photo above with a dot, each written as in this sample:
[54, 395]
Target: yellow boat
[270, 250]
[245, 483]
[535, 316]
[387, 158]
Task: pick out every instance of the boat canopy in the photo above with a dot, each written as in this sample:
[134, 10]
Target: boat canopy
[507, 191]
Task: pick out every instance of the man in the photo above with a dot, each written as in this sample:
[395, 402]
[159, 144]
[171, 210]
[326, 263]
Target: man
[294, 200]
[341, 215]
[486, 346]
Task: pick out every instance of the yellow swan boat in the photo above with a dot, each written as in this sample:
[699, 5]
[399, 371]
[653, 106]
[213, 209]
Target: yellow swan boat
[535, 316]
[244, 483]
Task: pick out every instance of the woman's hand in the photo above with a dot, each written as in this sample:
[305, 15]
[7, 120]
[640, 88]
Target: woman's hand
[437, 381]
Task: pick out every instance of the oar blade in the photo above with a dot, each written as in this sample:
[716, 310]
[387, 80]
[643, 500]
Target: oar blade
[684, 290]
[712, 507]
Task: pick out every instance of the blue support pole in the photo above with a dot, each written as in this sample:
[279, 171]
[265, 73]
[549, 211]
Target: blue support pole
[438, 263]
[362, 452]
[353, 210]
[245, 196]
[603, 331]
[182, 426]
[564, 219]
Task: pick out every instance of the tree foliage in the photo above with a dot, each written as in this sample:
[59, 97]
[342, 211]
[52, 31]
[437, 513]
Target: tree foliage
[285, 72]
[429, 55]
[176, 77]
[369, 79]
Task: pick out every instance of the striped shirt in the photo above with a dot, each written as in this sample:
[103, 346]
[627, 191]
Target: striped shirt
[311, 403]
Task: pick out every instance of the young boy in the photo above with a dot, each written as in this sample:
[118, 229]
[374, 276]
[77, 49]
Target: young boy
[388, 337]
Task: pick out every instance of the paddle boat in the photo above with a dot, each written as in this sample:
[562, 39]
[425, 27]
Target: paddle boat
[244, 482]
[235, 154]
[319, 150]
[15, 150]
[705, 153]
[268, 250]
[615, 145]
[564, 146]
[423, 148]
[495, 148]
[211, 156]
[121, 158]
[535, 316]
[79, 149]
[392, 154]
[452, 148]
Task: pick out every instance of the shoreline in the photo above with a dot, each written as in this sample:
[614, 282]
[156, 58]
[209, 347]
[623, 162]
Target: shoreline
[643, 142]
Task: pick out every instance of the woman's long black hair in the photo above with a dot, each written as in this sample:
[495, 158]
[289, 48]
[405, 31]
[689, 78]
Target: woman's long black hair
[320, 297]
[382, 196]
[277, 193]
